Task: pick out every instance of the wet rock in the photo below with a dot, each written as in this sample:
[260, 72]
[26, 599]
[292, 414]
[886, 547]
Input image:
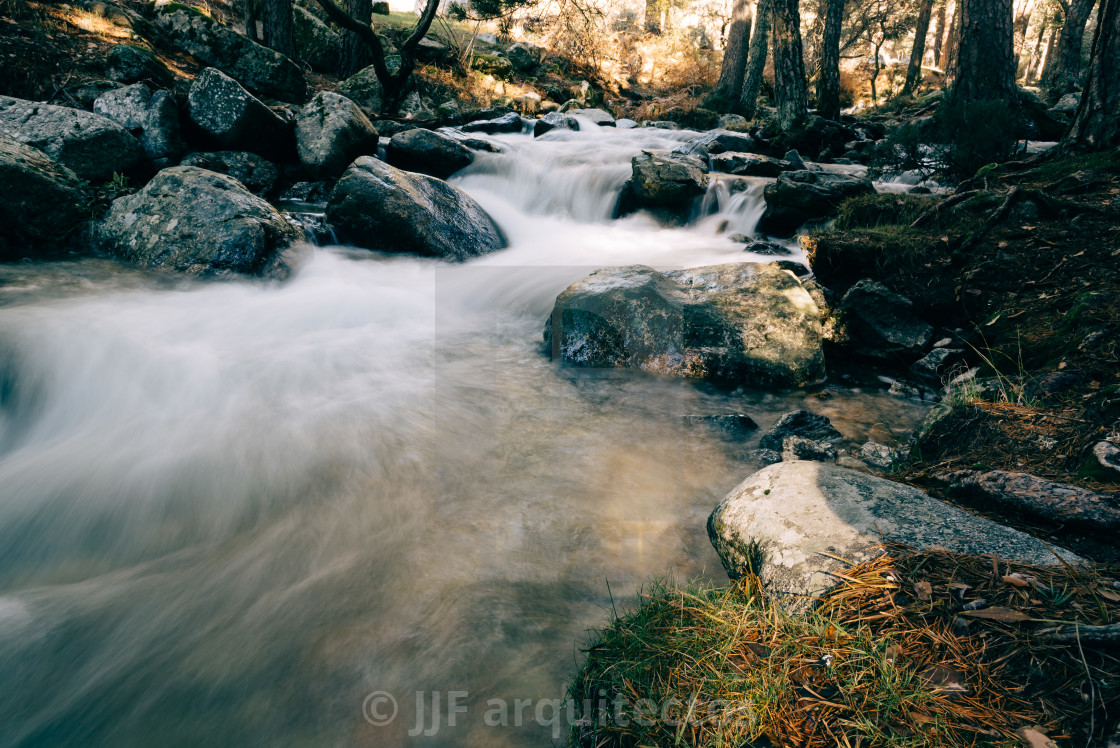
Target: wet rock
[41, 201]
[741, 323]
[554, 121]
[715, 142]
[598, 116]
[316, 43]
[881, 323]
[331, 132]
[800, 423]
[800, 511]
[526, 58]
[799, 196]
[379, 207]
[309, 192]
[256, 173]
[767, 248]
[234, 118]
[878, 456]
[803, 272]
[660, 124]
[91, 146]
[939, 362]
[1062, 503]
[1107, 456]
[800, 448]
[127, 63]
[732, 426]
[665, 182]
[258, 68]
[152, 117]
[427, 152]
[506, 123]
[199, 222]
[749, 164]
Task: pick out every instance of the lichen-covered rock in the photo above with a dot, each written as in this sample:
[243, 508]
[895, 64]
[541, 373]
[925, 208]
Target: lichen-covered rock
[749, 164]
[331, 132]
[364, 89]
[379, 207]
[878, 456]
[427, 152]
[91, 146]
[798, 196]
[233, 117]
[879, 323]
[670, 182]
[807, 514]
[195, 221]
[316, 43]
[799, 423]
[128, 63]
[258, 174]
[152, 115]
[40, 201]
[495, 65]
[554, 121]
[258, 68]
[735, 324]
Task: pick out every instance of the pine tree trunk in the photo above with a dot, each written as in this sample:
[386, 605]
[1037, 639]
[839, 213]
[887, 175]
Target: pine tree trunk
[789, 65]
[278, 31]
[828, 88]
[756, 62]
[985, 67]
[914, 71]
[939, 37]
[251, 20]
[653, 17]
[1032, 61]
[1096, 125]
[952, 42]
[1063, 67]
[735, 53]
[1047, 53]
[355, 54]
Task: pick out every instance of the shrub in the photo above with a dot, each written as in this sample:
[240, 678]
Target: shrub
[977, 133]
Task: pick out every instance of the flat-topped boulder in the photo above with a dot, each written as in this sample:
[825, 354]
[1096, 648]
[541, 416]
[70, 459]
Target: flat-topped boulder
[807, 515]
[427, 152]
[749, 164]
[735, 324]
[798, 196]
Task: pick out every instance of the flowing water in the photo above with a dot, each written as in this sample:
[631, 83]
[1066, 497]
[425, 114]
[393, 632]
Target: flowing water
[231, 511]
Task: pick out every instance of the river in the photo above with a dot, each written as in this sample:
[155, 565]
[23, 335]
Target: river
[232, 512]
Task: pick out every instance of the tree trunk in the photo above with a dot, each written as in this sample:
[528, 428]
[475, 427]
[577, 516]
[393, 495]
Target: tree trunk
[251, 20]
[1063, 66]
[939, 37]
[828, 87]
[278, 31]
[952, 42]
[735, 52]
[1096, 125]
[1032, 61]
[1022, 21]
[1047, 53]
[355, 54]
[985, 57]
[756, 63]
[789, 65]
[653, 17]
[914, 71]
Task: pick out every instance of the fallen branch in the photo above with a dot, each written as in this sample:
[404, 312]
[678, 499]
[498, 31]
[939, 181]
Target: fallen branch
[944, 205]
[1108, 634]
[997, 215]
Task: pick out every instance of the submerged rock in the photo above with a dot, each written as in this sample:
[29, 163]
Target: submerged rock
[736, 324]
[233, 117]
[92, 146]
[40, 201]
[730, 425]
[798, 196]
[195, 221]
[379, 207]
[427, 152]
[800, 423]
[258, 68]
[331, 132]
[805, 513]
[258, 174]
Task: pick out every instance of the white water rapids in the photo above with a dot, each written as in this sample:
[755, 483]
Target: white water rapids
[231, 510]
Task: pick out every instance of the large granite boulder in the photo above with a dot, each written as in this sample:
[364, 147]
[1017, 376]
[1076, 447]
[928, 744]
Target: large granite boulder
[801, 424]
[257, 67]
[735, 324]
[427, 152]
[554, 121]
[380, 207]
[234, 118]
[91, 146]
[798, 196]
[877, 322]
[152, 116]
[316, 43]
[256, 173]
[364, 89]
[40, 201]
[331, 132]
[198, 222]
[806, 515]
[665, 184]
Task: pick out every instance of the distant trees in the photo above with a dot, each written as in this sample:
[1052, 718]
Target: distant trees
[735, 52]
[1096, 124]
[917, 53]
[1063, 64]
[756, 63]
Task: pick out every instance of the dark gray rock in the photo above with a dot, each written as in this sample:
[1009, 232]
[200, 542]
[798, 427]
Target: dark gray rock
[735, 426]
[316, 43]
[880, 323]
[379, 207]
[749, 164]
[256, 173]
[127, 63]
[598, 116]
[364, 89]
[258, 68]
[799, 423]
[715, 142]
[331, 131]
[767, 248]
[736, 324]
[233, 117]
[40, 201]
[793, 158]
[878, 456]
[800, 448]
[152, 117]
[939, 362]
[665, 182]
[554, 121]
[427, 152]
[525, 58]
[91, 146]
[798, 196]
[195, 221]
[510, 122]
